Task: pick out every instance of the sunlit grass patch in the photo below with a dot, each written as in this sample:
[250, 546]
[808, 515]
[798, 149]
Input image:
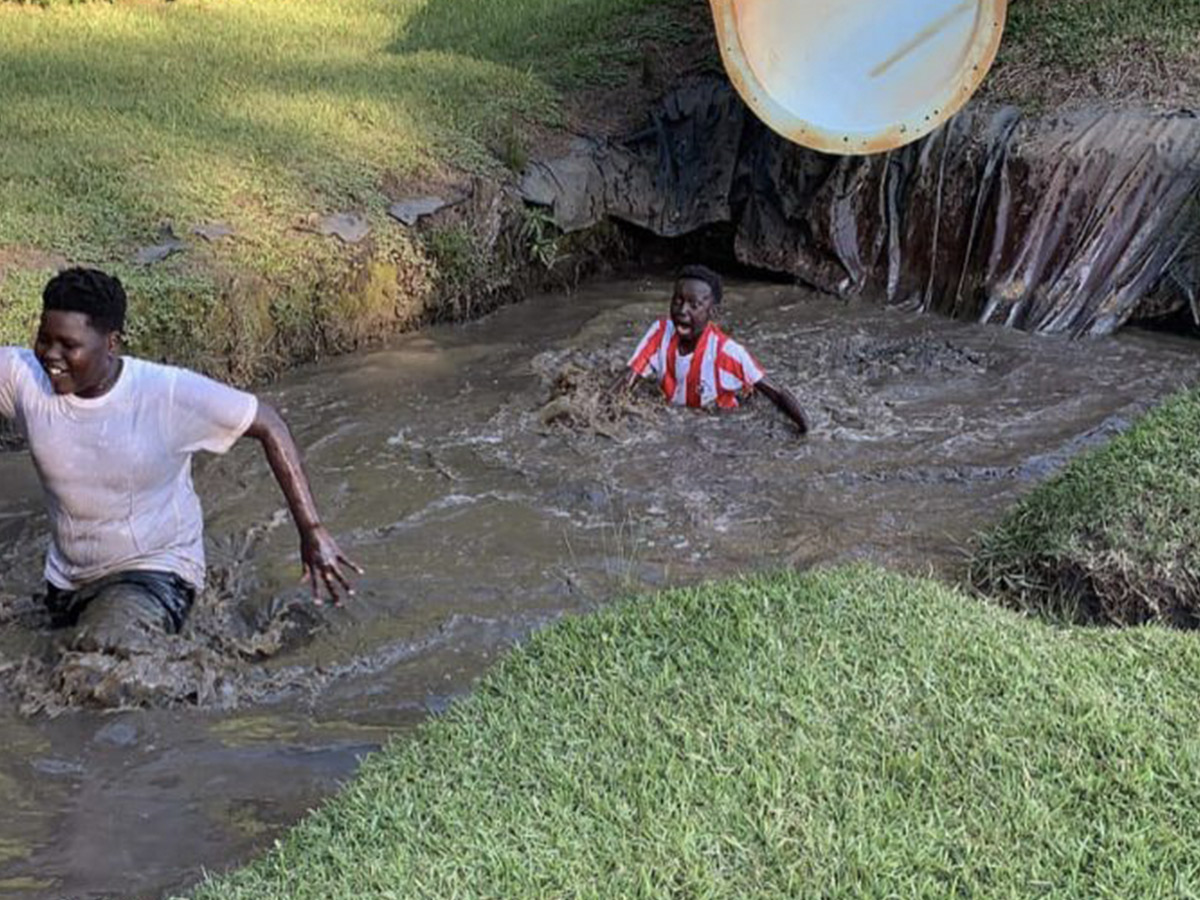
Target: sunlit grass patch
[1115, 537]
[844, 733]
[1119, 53]
[120, 118]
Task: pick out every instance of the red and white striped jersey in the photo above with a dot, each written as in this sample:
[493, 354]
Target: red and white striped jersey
[715, 372]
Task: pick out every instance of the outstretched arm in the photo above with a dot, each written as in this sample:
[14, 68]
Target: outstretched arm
[786, 402]
[321, 556]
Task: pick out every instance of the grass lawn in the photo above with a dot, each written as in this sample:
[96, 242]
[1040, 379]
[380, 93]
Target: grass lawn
[1082, 32]
[1115, 537]
[1099, 52]
[842, 733]
[263, 114]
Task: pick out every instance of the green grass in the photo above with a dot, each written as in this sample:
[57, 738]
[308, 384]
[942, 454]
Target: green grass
[1091, 34]
[1115, 537]
[844, 733]
[574, 42]
[263, 113]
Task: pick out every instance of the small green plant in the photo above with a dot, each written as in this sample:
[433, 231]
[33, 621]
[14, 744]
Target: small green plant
[541, 236]
[511, 148]
[456, 255]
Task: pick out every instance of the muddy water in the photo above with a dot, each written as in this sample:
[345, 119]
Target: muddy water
[481, 513]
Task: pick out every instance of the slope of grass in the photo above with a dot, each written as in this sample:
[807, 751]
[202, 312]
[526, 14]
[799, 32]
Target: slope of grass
[1115, 537]
[1085, 33]
[1060, 53]
[263, 115]
[844, 733]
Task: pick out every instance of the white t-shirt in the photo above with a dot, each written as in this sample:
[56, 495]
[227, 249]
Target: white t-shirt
[117, 469]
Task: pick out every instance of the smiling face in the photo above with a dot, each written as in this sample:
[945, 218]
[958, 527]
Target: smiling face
[78, 358]
[691, 310]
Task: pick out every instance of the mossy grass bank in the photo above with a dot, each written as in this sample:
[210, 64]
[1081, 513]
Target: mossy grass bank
[1113, 538]
[838, 733]
[263, 116]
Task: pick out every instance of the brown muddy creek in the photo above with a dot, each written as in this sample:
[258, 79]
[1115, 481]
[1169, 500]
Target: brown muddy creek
[476, 522]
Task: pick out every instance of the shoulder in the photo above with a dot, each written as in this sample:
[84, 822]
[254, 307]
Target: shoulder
[144, 371]
[737, 359]
[658, 325]
[18, 365]
[149, 374]
[144, 368]
[653, 335]
[17, 357]
[176, 386]
[732, 347]
[663, 327]
[191, 388]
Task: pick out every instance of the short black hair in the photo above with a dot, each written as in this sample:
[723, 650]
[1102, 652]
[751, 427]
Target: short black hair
[97, 294]
[705, 274]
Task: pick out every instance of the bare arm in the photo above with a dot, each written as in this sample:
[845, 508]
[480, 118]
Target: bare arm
[319, 552]
[786, 402]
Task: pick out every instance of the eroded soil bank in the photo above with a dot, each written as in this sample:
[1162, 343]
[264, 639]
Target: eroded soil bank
[1075, 223]
[468, 469]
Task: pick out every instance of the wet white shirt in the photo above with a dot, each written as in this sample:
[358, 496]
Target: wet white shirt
[117, 469]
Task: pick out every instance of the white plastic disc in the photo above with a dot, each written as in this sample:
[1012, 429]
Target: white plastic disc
[857, 76]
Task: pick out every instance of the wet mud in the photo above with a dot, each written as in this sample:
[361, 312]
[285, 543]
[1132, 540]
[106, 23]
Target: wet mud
[488, 487]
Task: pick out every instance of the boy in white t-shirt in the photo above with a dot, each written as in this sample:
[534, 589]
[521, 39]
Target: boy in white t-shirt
[694, 362]
[112, 439]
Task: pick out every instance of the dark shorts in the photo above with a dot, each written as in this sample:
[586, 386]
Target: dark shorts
[121, 610]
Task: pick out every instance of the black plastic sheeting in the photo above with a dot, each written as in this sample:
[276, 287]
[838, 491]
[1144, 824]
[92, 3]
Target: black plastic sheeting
[1068, 225]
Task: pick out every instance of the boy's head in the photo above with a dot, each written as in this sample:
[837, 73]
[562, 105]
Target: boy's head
[83, 313]
[96, 294]
[697, 295]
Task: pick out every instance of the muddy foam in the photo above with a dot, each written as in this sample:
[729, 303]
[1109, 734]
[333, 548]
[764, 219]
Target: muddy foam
[214, 662]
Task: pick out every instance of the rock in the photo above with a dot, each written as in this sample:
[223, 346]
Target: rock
[349, 227]
[57, 767]
[409, 210]
[168, 244]
[120, 733]
[213, 231]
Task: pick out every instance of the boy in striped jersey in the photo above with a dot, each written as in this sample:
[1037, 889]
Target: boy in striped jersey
[694, 362]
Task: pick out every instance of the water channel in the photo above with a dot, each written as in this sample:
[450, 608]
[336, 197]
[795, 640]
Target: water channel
[480, 513]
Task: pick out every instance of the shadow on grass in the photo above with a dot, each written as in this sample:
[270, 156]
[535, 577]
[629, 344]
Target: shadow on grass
[567, 42]
[99, 153]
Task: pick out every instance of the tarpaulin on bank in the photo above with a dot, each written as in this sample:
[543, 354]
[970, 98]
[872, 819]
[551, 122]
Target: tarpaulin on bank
[1061, 225]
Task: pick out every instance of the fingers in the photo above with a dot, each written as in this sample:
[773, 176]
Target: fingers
[336, 584]
[333, 582]
[331, 585]
[351, 563]
[322, 567]
[310, 577]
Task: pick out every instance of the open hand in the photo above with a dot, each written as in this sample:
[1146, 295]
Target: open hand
[323, 559]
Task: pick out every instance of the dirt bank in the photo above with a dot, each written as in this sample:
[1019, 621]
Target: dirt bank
[1072, 224]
